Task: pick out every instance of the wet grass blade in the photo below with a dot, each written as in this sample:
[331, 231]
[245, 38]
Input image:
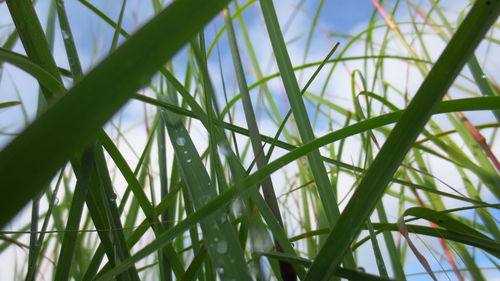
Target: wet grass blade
[219, 236]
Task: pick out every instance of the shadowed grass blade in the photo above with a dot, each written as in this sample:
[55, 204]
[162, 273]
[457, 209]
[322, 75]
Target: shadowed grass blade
[219, 235]
[66, 128]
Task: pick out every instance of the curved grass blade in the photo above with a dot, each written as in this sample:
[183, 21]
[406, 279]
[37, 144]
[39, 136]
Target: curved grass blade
[33, 38]
[488, 245]
[44, 77]
[443, 220]
[470, 33]
[483, 103]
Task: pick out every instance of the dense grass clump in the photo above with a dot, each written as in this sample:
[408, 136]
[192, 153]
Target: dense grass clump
[249, 140]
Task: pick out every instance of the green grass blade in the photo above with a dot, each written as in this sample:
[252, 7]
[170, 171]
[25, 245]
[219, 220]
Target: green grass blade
[488, 245]
[46, 79]
[74, 217]
[349, 274]
[33, 38]
[9, 104]
[267, 185]
[65, 129]
[69, 43]
[139, 195]
[435, 85]
[304, 126]
[220, 239]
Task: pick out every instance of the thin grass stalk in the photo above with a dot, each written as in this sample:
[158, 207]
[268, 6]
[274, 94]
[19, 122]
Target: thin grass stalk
[143, 201]
[258, 236]
[165, 270]
[116, 35]
[275, 116]
[304, 126]
[68, 244]
[287, 272]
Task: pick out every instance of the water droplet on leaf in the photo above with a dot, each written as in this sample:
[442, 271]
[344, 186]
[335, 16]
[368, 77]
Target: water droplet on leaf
[221, 247]
[180, 141]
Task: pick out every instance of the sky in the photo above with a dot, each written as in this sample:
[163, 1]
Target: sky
[93, 39]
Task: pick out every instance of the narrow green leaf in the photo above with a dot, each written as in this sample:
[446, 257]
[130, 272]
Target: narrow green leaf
[65, 129]
[370, 190]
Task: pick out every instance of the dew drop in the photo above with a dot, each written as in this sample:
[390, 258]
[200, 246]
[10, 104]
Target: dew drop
[237, 207]
[220, 270]
[180, 141]
[483, 76]
[65, 35]
[224, 149]
[221, 247]
[113, 197]
[205, 199]
[189, 160]
[362, 269]
[223, 219]
[260, 239]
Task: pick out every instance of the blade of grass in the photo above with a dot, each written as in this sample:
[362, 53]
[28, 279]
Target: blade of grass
[435, 85]
[325, 190]
[486, 244]
[484, 103]
[349, 274]
[220, 239]
[74, 217]
[64, 128]
[287, 272]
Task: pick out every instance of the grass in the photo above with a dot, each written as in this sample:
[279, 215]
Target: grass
[348, 182]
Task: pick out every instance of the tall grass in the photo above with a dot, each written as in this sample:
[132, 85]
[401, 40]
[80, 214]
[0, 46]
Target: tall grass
[360, 177]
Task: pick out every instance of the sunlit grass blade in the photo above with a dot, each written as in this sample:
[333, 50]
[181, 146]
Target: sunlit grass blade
[486, 244]
[435, 85]
[304, 126]
[267, 185]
